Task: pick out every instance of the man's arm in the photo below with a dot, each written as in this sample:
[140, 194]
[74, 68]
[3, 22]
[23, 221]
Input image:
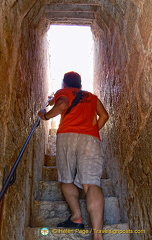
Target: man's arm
[102, 113]
[60, 106]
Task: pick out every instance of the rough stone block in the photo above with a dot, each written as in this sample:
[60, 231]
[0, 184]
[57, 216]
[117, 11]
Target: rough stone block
[70, 15]
[50, 160]
[49, 173]
[145, 22]
[52, 131]
[70, 8]
[50, 191]
[51, 146]
[49, 213]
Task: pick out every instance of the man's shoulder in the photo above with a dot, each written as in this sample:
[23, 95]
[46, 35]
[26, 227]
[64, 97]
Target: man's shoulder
[61, 91]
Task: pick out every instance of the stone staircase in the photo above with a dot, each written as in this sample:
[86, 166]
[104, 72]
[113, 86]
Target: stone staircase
[50, 208]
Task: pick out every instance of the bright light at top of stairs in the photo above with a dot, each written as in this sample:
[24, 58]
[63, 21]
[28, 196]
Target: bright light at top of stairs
[71, 49]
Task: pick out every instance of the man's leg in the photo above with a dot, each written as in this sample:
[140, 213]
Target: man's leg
[95, 205]
[71, 194]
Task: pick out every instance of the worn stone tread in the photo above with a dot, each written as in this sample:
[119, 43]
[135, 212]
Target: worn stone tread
[49, 173]
[50, 160]
[50, 190]
[49, 213]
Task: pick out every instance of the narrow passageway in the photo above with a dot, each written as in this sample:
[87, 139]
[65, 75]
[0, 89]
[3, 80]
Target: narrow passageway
[122, 35]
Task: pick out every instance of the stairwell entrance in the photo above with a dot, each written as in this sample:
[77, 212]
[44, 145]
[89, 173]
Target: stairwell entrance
[71, 49]
[49, 206]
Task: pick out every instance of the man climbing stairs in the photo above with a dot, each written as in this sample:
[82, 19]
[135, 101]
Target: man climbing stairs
[50, 208]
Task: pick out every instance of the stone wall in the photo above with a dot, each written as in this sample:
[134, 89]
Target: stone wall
[123, 81]
[23, 91]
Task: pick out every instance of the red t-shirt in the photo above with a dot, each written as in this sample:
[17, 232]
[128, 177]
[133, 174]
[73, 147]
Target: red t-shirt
[81, 117]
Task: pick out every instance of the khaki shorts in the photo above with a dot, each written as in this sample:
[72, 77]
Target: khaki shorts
[79, 159]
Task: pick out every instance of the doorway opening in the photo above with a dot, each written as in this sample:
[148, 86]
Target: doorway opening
[70, 49]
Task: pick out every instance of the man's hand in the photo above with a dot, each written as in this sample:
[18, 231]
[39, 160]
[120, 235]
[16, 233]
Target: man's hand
[41, 114]
[60, 106]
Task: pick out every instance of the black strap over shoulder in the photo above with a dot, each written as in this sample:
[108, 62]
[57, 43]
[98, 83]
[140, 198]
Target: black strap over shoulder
[75, 101]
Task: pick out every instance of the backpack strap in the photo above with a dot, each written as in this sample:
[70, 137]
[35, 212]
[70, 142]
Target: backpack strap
[75, 101]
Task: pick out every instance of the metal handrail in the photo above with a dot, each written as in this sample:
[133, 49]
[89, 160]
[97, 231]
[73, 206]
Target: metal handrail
[12, 175]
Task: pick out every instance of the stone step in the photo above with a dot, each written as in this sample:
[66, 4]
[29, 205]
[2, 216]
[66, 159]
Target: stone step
[50, 160]
[50, 173]
[50, 213]
[52, 136]
[52, 131]
[50, 191]
[75, 234]
[51, 145]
